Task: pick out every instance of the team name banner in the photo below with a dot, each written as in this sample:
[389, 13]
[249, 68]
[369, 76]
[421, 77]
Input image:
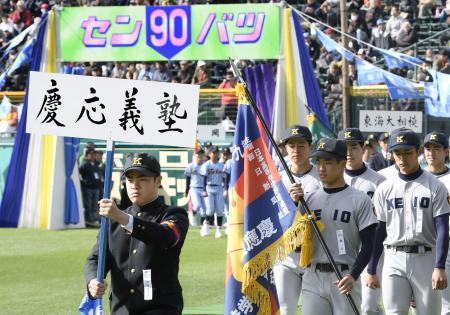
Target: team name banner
[388, 120]
[112, 109]
[148, 33]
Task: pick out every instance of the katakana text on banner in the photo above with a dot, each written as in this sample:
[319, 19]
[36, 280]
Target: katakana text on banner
[148, 33]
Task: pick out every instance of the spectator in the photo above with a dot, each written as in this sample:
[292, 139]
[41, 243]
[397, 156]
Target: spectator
[18, 27]
[373, 12]
[8, 123]
[201, 75]
[408, 9]
[161, 73]
[352, 74]
[333, 75]
[311, 7]
[90, 180]
[407, 35]
[228, 101]
[6, 24]
[442, 64]
[326, 15]
[362, 54]
[358, 27]
[313, 47]
[394, 23]
[145, 71]
[424, 75]
[380, 38]
[430, 56]
[131, 73]
[119, 70]
[445, 38]
[44, 8]
[22, 14]
[426, 7]
[185, 73]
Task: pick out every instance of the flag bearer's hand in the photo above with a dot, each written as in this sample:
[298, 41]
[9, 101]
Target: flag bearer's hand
[97, 289]
[109, 209]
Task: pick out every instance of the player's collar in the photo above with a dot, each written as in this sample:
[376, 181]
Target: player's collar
[354, 173]
[411, 176]
[303, 174]
[335, 190]
[440, 173]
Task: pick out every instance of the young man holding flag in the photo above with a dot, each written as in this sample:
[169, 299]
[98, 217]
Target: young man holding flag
[359, 176]
[143, 246]
[288, 274]
[349, 228]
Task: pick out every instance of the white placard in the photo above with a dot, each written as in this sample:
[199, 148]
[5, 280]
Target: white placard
[211, 133]
[387, 121]
[113, 109]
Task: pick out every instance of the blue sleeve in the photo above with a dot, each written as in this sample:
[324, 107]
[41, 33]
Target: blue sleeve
[442, 238]
[367, 239]
[380, 236]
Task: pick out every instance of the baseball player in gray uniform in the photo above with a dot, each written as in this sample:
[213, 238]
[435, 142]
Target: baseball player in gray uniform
[435, 151]
[350, 223]
[413, 214]
[359, 176]
[215, 183]
[288, 274]
[195, 186]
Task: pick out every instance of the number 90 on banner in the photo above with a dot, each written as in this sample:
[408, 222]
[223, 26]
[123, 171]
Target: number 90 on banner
[168, 29]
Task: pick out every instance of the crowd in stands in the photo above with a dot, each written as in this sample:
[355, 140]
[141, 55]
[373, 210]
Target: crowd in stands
[384, 24]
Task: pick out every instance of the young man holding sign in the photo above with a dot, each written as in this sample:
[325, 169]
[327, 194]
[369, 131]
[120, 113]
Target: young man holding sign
[143, 247]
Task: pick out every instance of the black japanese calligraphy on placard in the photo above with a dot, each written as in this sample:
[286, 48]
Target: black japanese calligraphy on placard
[92, 101]
[131, 113]
[168, 111]
[367, 121]
[52, 100]
[389, 121]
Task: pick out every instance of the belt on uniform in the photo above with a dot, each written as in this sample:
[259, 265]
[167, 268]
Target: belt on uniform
[411, 249]
[197, 187]
[212, 185]
[329, 267]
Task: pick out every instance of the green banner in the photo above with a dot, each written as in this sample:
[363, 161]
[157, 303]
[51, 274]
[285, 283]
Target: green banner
[150, 33]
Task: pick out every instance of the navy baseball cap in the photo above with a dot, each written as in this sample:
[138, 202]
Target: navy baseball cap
[296, 132]
[226, 150]
[438, 138]
[384, 136]
[214, 149]
[405, 140]
[142, 163]
[351, 134]
[331, 149]
[372, 137]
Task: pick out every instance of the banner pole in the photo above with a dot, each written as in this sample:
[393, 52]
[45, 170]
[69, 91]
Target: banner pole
[104, 221]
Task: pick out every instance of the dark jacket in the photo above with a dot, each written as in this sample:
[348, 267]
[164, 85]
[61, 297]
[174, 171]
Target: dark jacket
[91, 175]
[153, 246]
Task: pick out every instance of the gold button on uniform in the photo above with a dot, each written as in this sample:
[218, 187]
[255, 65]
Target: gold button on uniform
[131, 290]
[139, 214]
[143, 227]
[134, 251]
[133, 270]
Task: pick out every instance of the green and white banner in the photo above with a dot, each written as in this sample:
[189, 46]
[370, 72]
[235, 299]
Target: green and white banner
[149, 33]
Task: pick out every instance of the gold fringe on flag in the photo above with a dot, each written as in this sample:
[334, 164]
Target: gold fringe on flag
[299, 234]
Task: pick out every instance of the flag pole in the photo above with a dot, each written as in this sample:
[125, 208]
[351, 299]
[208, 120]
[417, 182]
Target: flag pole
[303, 206]
[104, 220]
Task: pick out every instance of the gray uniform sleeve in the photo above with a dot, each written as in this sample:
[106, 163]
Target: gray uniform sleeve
[379, 204]
[440, 201]
[366, 217]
